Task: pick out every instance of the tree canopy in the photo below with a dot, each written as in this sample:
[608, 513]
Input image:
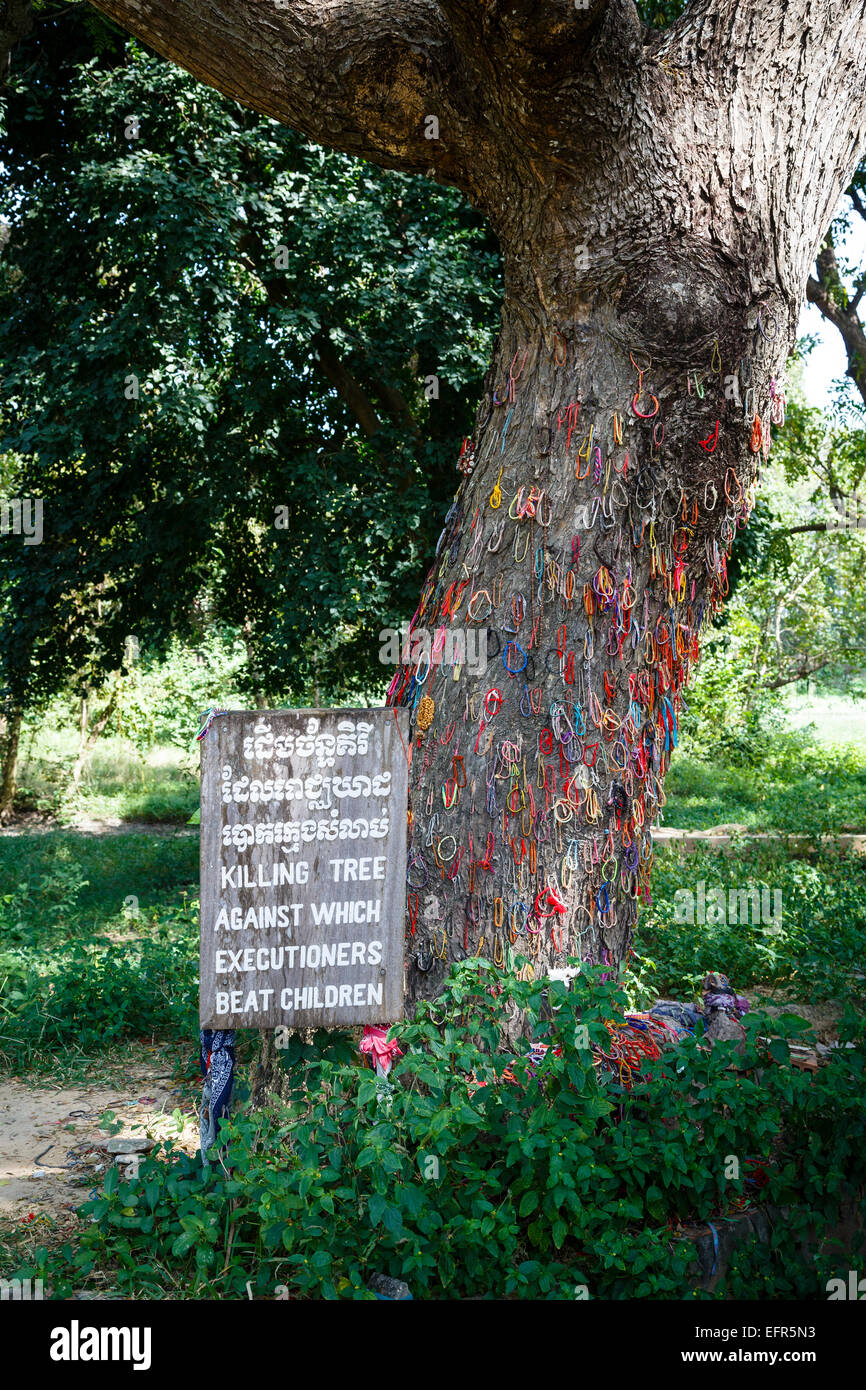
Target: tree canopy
[239, 383]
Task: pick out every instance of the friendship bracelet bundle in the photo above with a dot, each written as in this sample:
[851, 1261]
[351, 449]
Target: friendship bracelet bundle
[589, 556]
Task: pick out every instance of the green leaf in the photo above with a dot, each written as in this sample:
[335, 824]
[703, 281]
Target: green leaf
[528, 1203]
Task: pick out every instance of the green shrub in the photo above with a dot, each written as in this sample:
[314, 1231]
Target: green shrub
[820, 945]
[560, 1183]
[788, 783]
[78, 971]
[93, 996]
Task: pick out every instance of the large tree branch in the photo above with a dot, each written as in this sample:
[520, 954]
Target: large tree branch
[859, 524]
[802, 672]
[828, 295]
[255, 256]
[468, 91]
[779, 92]
[521, 34]
[396, 405]
[361, 77]
[341, 378]
[859, 205]
[758, 45]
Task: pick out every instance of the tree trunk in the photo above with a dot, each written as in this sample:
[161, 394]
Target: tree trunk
[659, 198]
[89, 737]
[10, 765]
[589, 545]
[83, 715]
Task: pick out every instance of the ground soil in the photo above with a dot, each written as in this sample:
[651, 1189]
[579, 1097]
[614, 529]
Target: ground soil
[823, 1017]
[51, 1145]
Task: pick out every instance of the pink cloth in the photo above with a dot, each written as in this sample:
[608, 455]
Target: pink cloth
[375, 1041]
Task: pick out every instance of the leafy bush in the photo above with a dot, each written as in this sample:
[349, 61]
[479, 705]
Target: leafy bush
[786, 782]
[165, 697]
[553, 1182]
[819, 947]
[94, 995]
[85, 962]
[41, 909]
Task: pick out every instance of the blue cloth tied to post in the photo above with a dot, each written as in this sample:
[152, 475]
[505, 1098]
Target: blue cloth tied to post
[217, 1061]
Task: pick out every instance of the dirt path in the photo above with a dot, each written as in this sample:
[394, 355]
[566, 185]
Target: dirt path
[717, 837]
[51, 1154]
[721, 836]
[34, 827]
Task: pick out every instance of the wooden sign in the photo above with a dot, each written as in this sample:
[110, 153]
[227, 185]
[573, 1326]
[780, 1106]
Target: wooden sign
[303, 868]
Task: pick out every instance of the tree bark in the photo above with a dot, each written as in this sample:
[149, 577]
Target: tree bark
[89, 735]
[659, 198]
[590, 544]
[9, 770]
[828, 295]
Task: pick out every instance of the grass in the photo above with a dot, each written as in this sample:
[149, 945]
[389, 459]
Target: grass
[155, 869]
[98, 945]
[174, 1059]
[799, 787]
[815, 950]
[99, 932]
[803, 779]
[119, 783]
[99, 938]
[831, 719]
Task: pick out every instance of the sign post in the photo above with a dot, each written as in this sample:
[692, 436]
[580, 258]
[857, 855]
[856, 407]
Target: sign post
[303, 868]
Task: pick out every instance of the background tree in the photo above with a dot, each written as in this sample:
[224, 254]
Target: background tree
[240, 396]
[658, 197]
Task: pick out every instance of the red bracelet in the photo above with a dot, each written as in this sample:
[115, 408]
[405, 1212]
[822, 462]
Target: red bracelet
[711, 440]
